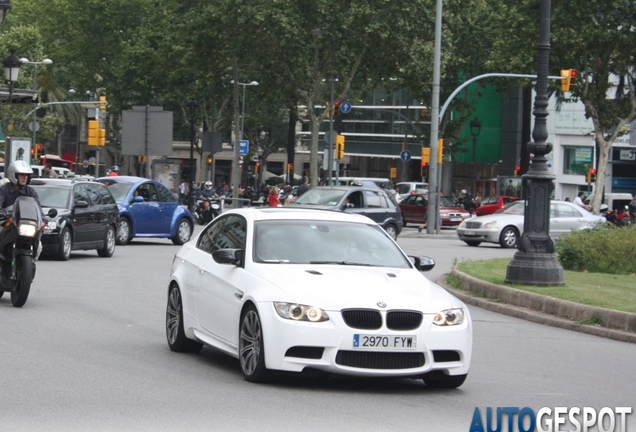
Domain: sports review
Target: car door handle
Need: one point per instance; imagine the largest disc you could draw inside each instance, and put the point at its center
(202, 270)
(239, 295)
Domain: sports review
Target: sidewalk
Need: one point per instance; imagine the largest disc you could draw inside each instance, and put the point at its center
(550, 311)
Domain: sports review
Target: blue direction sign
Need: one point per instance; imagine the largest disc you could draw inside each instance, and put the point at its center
(345, 107)
(244, 147)
(405, 155)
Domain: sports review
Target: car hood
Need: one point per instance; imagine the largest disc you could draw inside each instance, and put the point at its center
(336, 287)
(497, 217)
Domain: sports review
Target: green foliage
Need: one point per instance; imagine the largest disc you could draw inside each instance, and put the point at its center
(604, 249)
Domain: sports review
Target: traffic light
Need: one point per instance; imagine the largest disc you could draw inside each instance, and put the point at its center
(141, 159)
(257, 166)
(290, 168)
(336, 109)
(440, 151)
(101, 137)
(517, 170)
(93, 132)
(426, 156)
(209, 161)
(36, 152)
(569, 80)
(340, 147)
(102, 103)
(591, 175)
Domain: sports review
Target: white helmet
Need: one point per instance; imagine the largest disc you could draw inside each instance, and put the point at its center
(208, 185)
(18, 167)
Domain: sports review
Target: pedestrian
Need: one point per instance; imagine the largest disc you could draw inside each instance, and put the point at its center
(183, 192)
(272, 198)
(304, 186)
(114, 171)
(579, 201)
(48, 171)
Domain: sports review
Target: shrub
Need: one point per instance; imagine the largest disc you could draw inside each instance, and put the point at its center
(603, 249)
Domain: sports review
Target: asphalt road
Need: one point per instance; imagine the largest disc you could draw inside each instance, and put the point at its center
(88, 353)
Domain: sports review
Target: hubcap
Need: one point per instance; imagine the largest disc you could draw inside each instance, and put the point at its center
(110, 240)
(123, 231)
(66, 243)
(184, 231)
(173, 314)
(250, 349)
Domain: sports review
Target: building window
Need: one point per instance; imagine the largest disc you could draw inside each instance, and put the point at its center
(577, 160)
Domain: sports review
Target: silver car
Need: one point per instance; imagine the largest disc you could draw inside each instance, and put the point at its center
(506, 225)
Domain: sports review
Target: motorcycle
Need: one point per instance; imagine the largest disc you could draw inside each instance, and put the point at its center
(22, 227)
(204, 214)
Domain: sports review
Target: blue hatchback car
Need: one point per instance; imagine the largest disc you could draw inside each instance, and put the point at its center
(148, 209)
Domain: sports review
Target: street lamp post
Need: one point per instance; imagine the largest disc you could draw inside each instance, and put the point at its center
(11, 72)
(5, 5)
(259, 152)
(535, 262)
(35, 64)
(253, 83)
(475, 129)
(192, 104)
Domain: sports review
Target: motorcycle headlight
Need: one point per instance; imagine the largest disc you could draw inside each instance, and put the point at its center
(449, 317)
(27, 230)
(298, 312)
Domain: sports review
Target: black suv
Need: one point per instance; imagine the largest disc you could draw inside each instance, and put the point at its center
(374, 203)
(86, 218)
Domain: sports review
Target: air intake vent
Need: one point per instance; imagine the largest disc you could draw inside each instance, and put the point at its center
(380, 360)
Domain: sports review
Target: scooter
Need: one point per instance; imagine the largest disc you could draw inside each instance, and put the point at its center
(22, 227)
(204, 215)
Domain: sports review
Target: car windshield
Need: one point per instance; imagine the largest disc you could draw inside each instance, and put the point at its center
(514, 208)
(118, 189)
(446, 202)
(325, 242)
(323, 197)
(53, 196)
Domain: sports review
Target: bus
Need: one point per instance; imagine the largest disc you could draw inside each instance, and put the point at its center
(55, 161)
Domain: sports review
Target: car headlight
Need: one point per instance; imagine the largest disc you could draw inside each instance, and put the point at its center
(298, 312)
(462, 224)
(51, 225)
(449, 317)
(490, 224)
(27, 230)
(443, 215)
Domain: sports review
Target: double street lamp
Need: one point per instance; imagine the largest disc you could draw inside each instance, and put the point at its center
(475, 129)
(253, 83)
(11, 72)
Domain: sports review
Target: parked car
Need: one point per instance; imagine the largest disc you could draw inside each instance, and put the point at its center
(86, 218)
(415, 207)
(148, 209)
(404, 189)
(376, 204)
(491, 204)
(293, 289)
(505, 226)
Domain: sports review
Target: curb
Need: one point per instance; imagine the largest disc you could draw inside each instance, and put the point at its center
(616, 325)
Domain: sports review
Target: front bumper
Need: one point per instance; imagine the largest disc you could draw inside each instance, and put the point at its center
(50, 242)
(481, 235)
(328, 346)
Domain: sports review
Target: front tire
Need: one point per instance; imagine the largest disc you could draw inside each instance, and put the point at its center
(108, 249)
(66, 244)
(25, 272)
(177, 340)
(251, 348)
(472, 243)
(508, 237)
(124, 231)
(184, 231)
(438, 379)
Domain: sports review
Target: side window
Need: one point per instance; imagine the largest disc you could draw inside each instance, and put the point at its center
(148, 192)
(232, 235)
(80, 194)
(94, 195)
(106, 196)
(355, 198)
(165, 195)
(420, 201)
(373, 200)
(208, 237)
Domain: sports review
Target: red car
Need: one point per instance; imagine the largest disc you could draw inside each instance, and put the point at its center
(493, 203)
(414, 210)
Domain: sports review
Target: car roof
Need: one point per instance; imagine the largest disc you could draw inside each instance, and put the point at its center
(296, 213)
(59, 181)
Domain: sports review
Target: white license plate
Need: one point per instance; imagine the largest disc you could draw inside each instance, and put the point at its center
(469, 232)
(458, 219)
(380, 342)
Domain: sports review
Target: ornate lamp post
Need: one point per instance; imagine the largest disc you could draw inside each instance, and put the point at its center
(535, 262)
(192, 104)
(11, 71)
(5, 5)
(475, 129)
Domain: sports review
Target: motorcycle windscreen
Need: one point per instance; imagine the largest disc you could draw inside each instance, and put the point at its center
(26, 208)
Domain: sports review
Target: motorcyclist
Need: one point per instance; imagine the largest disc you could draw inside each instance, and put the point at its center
(206, 195)
(18, 174)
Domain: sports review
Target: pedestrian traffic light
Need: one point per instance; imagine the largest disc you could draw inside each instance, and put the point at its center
(440, 151)
(340, 146)
(591, 175)
(336, 109)
(426, 156)
(102, 103)
(569, 79)
(93, 132)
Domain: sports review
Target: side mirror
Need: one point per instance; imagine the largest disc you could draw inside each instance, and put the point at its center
(228, 256)
(422, 263)
(138, 199)
(52, 213)
(81, 204)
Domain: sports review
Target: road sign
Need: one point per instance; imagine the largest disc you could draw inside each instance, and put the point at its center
(244, 147)
(34, 125)
(405, 155)
(330, 138)
(345, 107)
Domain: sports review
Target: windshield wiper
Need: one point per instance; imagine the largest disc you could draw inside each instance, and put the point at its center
(340, 263)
